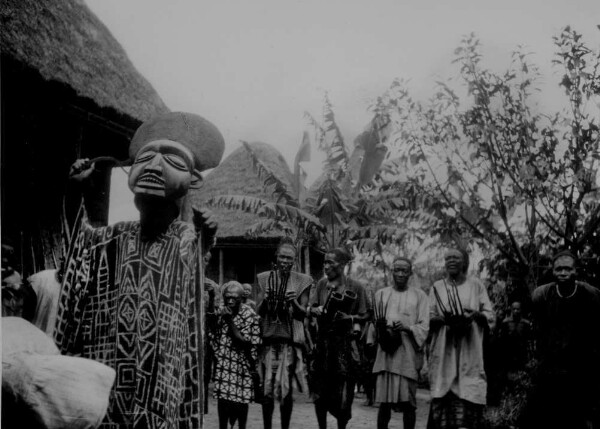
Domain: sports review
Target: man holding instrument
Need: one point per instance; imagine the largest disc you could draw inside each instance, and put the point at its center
(282, 306)
(460, 314)
(402, 324)
(131, 295)
(340, 306)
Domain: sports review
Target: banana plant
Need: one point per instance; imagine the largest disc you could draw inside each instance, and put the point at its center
(350, 204)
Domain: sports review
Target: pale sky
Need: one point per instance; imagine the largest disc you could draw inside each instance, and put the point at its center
(254, 67)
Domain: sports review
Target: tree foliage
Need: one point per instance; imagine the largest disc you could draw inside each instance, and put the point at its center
(523, 181)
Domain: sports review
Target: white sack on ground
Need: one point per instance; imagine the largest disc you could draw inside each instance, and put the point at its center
(62, 391)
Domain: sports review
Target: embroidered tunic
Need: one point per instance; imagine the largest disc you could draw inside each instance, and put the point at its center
(130, 303)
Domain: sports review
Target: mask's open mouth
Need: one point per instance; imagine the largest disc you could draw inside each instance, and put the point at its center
(151, 181)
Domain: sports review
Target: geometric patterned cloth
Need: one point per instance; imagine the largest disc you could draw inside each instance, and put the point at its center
(233, 381)
(130, 303)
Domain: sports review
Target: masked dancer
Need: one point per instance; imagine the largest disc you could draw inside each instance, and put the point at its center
(131, 297)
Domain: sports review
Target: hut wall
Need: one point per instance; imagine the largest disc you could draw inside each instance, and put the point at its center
(240, 263)
(45, 128)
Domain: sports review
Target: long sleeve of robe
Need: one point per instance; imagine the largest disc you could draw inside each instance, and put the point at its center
(456, 363)
(411, 307)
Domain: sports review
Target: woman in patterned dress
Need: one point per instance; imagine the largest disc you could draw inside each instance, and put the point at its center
(235, 335)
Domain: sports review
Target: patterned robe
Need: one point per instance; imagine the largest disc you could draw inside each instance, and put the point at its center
(233, 381)
(130, 304)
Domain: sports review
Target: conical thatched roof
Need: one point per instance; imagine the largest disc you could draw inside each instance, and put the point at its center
(67, 43)
(236, 176)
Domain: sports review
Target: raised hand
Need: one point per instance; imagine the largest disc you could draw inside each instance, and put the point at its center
(81, 170)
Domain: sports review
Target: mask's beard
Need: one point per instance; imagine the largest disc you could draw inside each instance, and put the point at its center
(156, 214)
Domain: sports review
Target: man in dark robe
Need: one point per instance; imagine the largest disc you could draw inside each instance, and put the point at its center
(340, 306)
(566, 318)
(130, 297)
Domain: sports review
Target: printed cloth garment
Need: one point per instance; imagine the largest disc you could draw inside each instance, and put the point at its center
(451, 412)
(233, 381)
(130, 303)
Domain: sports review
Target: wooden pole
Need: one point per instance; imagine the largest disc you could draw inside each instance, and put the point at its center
(221, 267)
(200, 323)
(307, 260)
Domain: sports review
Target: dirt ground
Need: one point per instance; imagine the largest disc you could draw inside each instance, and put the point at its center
(303, 417)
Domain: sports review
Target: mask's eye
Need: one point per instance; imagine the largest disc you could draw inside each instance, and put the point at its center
(176, 161)
(145, 156)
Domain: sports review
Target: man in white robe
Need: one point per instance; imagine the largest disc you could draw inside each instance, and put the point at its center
(402, 325)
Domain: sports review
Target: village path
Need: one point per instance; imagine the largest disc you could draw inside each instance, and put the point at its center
(303, 417)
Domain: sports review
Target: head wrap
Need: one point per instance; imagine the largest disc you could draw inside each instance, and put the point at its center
(564, 253)
(342, 256)
(200, 136)
(402, 258)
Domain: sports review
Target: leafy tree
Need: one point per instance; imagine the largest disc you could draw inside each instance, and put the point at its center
(505, 174)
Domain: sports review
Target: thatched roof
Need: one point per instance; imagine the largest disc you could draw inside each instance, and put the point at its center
(235, 176)
(67, 43)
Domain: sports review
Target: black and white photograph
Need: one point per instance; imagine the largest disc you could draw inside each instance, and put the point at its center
(300, 214)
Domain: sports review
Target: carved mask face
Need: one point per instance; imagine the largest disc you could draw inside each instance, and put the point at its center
(162, 168)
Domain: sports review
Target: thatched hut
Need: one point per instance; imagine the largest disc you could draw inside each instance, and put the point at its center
(237, 256)
(68, 91)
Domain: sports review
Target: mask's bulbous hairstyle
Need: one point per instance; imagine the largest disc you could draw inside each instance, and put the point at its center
(201, 137)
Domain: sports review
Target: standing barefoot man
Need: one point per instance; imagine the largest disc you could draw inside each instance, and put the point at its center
(402, 326)
(340, 306)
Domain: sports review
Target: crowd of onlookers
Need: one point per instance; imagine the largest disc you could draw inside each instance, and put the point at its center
(335, 338)
(329, 338)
